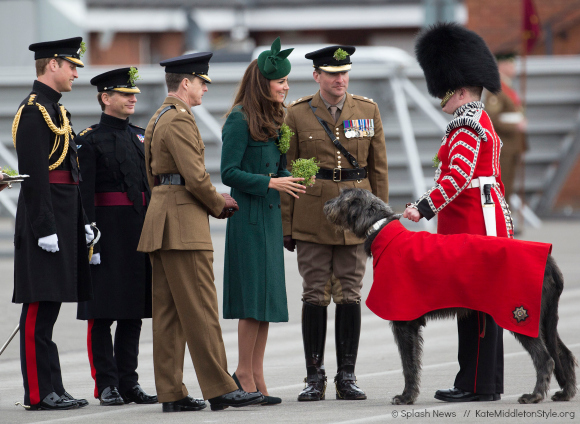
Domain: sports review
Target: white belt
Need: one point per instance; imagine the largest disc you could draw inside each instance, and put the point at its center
(475, 182)
(488, 208)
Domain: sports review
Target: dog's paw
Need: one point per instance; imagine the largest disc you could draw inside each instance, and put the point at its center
(530, 398)
(401, 400)
(560, 396)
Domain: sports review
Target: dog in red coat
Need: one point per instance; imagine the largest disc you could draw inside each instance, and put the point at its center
(365, 215)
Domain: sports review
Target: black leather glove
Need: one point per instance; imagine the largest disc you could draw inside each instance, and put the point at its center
(289, 243)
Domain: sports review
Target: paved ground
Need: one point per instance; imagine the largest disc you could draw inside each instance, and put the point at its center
(378, 368)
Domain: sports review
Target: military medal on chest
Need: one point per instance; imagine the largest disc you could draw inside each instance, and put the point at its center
(359, 128)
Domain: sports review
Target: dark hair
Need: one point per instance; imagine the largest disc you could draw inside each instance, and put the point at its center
(173, 80)
(41, 64)
(475, 91)
(263, 113)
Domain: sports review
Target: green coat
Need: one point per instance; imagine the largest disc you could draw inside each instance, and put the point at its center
(254, 284)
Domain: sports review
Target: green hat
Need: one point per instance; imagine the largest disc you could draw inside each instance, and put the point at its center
(505, 55)
(273, 63)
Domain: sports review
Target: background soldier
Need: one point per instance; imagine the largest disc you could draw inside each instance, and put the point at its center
(506, 113)
(115, 195)
(176, 233)
(50, 241)
(332, 263)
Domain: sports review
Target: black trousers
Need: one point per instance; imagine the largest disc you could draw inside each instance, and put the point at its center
(38, 353)
(480, 358)
(114, 365)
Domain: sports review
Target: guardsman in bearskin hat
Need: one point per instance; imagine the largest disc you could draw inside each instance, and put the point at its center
(345, 134)
(468, 196)
(115, 195)
(176, 235)
(51, 232)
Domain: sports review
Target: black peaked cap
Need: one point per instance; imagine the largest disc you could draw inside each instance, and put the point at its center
(195, 63)
(453, 57)
(69, 49)
(325, 60)
(115, 80)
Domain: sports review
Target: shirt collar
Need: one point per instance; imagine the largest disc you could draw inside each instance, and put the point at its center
(111, 121)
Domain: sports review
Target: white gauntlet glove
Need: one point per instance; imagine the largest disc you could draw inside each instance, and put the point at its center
(49, 243)
(89, 235)
(95, 259)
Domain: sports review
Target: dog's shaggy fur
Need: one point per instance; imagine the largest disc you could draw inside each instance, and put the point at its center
(357, 210)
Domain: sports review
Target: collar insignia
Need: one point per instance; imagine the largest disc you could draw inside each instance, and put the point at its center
(520, 314)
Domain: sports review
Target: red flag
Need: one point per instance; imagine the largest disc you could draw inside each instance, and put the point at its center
(531, 26)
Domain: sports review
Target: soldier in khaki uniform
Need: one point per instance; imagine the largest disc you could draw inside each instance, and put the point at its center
(506, 113)
(176, 234)
(332, 263)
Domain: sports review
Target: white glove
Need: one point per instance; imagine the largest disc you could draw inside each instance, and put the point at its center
(49, 243)
(89, 235)
(95, 259)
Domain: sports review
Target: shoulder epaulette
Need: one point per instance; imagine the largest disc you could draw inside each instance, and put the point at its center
(31, 99)
(301, 100)
(136, 126)
(83, 132)
(362, 98)
(466, 121)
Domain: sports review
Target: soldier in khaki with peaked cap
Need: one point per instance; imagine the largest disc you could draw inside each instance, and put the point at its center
(176, 236)
(344, 132)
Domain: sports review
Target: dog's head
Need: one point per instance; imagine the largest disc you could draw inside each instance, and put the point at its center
(356, 210)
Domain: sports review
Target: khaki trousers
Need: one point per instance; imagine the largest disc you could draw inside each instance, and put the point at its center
(185, 309)
(331, 272)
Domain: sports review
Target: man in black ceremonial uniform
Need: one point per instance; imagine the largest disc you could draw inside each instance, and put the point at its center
(51, 232)
(115, 194)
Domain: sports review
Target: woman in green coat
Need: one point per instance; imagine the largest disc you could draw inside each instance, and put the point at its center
(254, 167)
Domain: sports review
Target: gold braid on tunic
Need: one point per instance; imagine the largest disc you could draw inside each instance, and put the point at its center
(65, 130)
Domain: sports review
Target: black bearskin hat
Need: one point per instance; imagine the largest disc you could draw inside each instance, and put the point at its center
(453, 57)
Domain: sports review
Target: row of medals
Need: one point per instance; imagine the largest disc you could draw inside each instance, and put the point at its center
(359, 128)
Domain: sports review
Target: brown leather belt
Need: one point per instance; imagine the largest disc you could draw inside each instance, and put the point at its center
(340, 174)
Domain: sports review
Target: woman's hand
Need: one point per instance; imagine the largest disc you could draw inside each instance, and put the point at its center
(287, 185)
(413, 214)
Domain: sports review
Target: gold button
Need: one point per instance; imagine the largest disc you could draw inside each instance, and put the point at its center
(337, 129)
(339, 166)
(339, 156)
(338, 153)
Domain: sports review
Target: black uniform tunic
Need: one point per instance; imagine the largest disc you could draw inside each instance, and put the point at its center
(112, 160)
(45, 209)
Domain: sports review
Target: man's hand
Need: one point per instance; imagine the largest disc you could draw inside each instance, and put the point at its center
(2, 185)
(289, 243)
(230, 207)
(49, 243)
(412, 214)
(95, 259)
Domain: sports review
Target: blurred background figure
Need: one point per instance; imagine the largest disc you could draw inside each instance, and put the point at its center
(507, 115)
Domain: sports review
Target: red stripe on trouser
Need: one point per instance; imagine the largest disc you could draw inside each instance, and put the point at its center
(90, 350)
(30, 348)
(477, 360)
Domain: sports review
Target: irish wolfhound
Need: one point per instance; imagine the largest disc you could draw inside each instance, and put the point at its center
(357, 210)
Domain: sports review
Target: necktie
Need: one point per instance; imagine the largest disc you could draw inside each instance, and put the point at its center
(333, 110)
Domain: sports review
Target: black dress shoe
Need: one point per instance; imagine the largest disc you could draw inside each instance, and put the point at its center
(346, 387)
(53, 402)
(110, 396)
(186, 404)
(82, 402)
(138, 395)
(236, 399)
(271, 400)
(315, 388)
(458, 395)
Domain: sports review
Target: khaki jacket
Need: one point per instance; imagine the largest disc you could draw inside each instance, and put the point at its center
(303, 218)
(177, 217)
(502, 110)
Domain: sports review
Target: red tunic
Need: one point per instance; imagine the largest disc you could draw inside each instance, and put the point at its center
(470, 149)
(498, 276)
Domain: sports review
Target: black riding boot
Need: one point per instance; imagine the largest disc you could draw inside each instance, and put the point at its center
(314, 336)
(347, 333)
